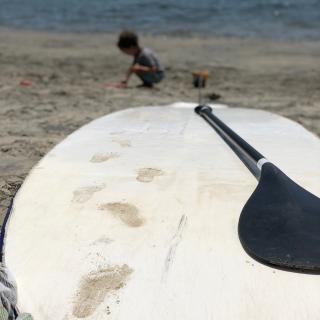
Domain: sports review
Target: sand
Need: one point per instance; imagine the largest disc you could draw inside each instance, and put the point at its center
(51, 84)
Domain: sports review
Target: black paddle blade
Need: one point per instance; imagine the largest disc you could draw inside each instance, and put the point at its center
(280, 223)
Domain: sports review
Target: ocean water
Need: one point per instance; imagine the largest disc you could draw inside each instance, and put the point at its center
(280, 19)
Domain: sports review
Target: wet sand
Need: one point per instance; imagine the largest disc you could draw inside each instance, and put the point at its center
(51, 84)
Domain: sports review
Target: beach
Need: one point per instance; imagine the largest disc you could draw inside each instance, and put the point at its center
(53, 83)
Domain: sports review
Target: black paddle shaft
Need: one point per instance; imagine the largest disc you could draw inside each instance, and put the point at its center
(206, 113)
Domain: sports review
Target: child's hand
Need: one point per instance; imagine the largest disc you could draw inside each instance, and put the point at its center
(122, 84)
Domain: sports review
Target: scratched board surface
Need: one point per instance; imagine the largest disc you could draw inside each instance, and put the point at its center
(131, 217)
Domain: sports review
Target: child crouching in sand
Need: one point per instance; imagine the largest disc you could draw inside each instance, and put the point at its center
(145, 63)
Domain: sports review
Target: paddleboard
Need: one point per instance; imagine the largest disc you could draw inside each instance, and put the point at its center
(135, 215)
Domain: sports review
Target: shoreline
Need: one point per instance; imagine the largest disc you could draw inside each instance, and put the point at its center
(174, 35)
(66, 73)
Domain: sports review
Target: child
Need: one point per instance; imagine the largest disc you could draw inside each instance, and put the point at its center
(145, 64)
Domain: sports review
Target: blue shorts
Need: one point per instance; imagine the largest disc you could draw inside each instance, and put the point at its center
(152, 77)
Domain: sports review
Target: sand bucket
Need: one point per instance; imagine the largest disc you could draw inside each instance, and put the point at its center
(200, 78)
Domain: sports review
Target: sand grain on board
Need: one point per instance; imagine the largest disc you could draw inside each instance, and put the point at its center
(102, 157)
(148, 174)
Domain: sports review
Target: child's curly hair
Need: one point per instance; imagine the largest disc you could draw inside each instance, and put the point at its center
(127, 39)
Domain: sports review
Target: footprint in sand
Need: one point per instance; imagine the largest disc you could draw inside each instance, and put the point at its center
(102, 157)
(83, 194)
(126, 212)
(96, 286)
(148, 174)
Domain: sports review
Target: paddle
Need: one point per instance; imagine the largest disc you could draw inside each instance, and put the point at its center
(280, 223)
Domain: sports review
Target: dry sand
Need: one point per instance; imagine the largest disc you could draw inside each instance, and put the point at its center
(68, 71)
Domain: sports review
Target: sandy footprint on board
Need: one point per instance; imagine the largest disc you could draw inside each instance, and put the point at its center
(124, 143)
(126, 212)
(84, 194)
(96, 286)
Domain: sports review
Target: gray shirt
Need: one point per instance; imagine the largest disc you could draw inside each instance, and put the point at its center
(147, 58)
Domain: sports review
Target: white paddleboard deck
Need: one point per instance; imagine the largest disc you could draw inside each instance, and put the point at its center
(135, 215)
